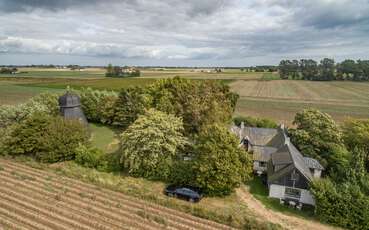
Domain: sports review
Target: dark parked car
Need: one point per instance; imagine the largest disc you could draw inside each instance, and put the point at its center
(188, 193)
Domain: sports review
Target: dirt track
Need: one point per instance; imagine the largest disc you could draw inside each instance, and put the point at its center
(286, 221)
(36, 199)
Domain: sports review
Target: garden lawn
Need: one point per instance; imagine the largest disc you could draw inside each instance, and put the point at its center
(104, 138)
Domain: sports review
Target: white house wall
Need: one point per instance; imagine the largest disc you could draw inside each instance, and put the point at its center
(277, 191)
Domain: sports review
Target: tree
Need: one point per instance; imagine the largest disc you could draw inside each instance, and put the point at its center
(318, 136)
(109, 71)
(309, 69)
(49, 139)
(130, 104)
(198, 102)
(219, 164)
(327, 69)
(356, 135)
(150, 144)
(363, 66)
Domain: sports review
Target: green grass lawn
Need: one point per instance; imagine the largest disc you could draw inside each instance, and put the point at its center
(104, 137)
(260, 192)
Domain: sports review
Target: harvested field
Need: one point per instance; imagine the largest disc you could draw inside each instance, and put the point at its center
(36, 199)
(280, 100)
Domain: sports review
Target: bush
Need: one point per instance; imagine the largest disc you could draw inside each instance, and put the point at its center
(343, 205)
(255, 122)
(91, 158)
(45, 103)
(49, 139)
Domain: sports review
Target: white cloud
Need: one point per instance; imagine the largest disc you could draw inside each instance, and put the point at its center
(207, 31)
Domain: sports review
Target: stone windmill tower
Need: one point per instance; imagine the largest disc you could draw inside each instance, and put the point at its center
(70, 107)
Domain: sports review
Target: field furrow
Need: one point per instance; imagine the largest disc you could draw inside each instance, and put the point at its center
(109, 206)
(106, 202)
(72, 217)
(7, 223)
(72, 203)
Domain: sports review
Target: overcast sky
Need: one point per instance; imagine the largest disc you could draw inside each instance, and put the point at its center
(181, 32)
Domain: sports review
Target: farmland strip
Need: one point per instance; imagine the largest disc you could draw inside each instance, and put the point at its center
(108, 195)
(183, 223)
(74, 201)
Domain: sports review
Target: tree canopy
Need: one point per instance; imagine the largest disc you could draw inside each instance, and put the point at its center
(219, 164)
(150, 144)
(318, 136)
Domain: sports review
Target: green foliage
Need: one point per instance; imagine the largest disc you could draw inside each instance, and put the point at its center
(97, 105)
(356, 135)
(130, 104)
(199, 103)
(150, 144)
(344, 205)
(45, 103)
(91, 157)
(318, 136)
(255, 122)
(49, 139)
(219, 164)
(327, 70)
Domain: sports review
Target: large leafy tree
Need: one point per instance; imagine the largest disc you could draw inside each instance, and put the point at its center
(318, 136)
(219, 164)
(130, 104)
(309, 69)
(327, 68)
(150, 144)
(356, 135)
(198, 102)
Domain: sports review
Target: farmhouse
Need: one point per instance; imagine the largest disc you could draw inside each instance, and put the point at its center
(288, 173)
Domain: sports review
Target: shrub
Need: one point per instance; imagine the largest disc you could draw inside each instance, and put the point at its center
(91, 157)
(255, 122)
(45, 103)
(341, 204)
(49, 139)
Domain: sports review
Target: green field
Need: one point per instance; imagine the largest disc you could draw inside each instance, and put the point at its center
(280, 100)
(99, 73)
(261, 95)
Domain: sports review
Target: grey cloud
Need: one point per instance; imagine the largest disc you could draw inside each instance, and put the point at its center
(176, 31)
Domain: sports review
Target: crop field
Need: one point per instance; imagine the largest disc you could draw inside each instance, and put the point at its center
(98, 73)
(280, 100)
(36, 199)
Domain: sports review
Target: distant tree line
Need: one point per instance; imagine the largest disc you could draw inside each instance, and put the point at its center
(325, 70)
(261, 68)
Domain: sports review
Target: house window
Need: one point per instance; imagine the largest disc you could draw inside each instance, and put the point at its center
(291, 192)
(295, 176)
(262, 164)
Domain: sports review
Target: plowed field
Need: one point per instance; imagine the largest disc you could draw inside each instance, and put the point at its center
(36, 199)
